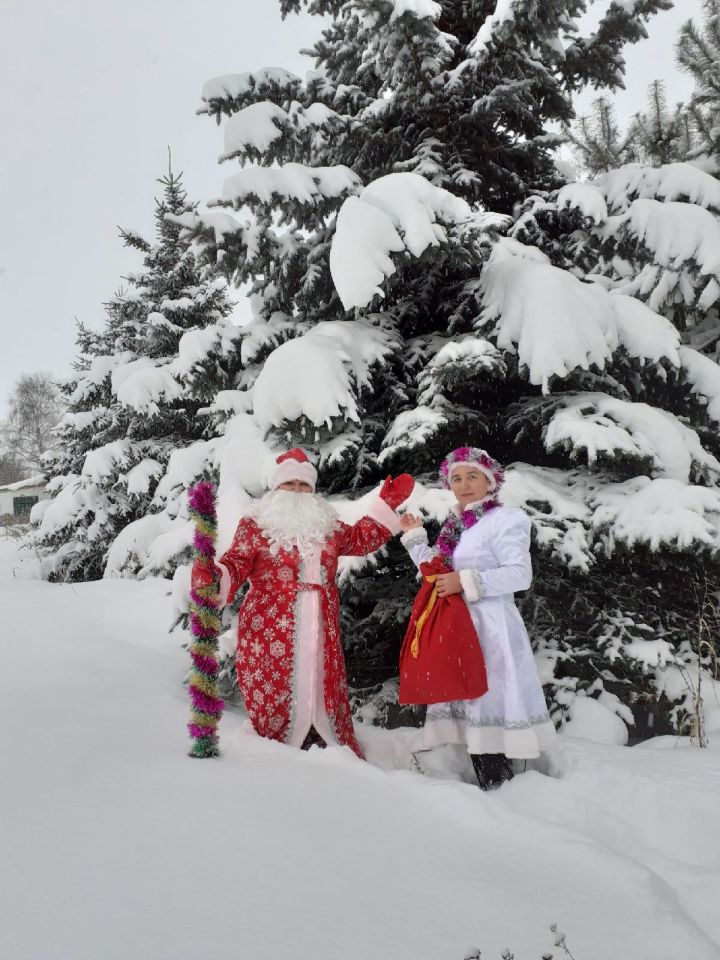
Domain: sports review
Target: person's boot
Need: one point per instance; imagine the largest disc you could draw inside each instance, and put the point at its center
(492, 769)
(313, 739)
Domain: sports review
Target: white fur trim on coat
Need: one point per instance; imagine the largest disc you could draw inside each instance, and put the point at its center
(384, 515)
(294, 470)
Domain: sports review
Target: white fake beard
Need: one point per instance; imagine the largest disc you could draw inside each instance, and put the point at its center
(289, 519)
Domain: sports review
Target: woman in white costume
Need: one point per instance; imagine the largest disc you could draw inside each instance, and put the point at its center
(488, 548)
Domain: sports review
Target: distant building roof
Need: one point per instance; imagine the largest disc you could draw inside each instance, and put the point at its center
(37, 481)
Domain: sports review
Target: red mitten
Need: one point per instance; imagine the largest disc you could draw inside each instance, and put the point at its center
(202, 575)
(394, 492)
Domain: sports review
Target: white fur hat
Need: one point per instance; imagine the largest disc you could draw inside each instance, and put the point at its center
(293, 465)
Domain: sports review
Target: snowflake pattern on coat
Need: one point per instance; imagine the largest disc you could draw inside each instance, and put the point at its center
(267, 653)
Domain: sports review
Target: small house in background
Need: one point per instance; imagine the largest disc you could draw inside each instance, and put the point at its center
(17, 499)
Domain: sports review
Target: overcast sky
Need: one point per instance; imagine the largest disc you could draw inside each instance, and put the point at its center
(93, 93)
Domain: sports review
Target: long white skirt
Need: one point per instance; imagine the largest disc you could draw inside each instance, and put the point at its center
(512, 717)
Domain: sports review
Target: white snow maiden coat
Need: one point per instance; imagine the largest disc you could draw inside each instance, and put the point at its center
(493, 560)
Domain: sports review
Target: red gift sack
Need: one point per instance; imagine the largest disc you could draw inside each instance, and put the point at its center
(441, 659)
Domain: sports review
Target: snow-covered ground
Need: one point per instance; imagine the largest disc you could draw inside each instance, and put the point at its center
(114, 845)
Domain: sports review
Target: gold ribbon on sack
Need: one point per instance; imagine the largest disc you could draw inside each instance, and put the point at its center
(421, 620)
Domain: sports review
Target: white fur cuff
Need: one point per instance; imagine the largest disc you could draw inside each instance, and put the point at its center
(472, 584)
(384, 515)
(411, 537)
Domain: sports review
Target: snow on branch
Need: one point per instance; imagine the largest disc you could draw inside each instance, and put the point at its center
(140, 384)
(657, 513)
(576, 515)
(153, 541)
(257, 126)
(139, 478)
(185, 466)
(319, 375)
(585, 197)
(293, 181)
(396, 213)
(494, 23)
(643, 333)
(556, 501)
(422, 9)
(704, 376)
(103, 461)
(218, 221)
(675, 233)
(670, 182)
(557, 324)
(461, 361)
(100, 369)
(204, 345)
(232, 87)
(411, 429)
(600, 426)
(554, 321)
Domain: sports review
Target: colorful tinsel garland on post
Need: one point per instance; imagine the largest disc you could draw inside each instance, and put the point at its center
(207, 705)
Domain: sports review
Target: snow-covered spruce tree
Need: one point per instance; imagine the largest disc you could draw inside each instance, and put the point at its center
(654, 136)
(394, 318)
(165, 349)
(698, 54)
(663, 134)
(598, 142)
(649, 232)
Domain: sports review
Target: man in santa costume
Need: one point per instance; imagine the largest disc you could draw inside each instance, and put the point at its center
(290, 663)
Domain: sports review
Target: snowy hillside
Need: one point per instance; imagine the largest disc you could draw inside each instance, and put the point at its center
(117, 846)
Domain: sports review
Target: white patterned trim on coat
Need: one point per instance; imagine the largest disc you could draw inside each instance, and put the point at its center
(293, 678)
(519, 743)
(455, 710)
(381, 513)
(416, 535)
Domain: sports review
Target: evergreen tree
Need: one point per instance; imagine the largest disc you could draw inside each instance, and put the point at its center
(133, 405)
(399, 312)
(653, 137)
(599, 144)
(698, 53)
(650, 232)
(662, 135)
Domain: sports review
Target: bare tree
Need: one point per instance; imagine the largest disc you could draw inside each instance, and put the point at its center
(10, 469)
(35, 409)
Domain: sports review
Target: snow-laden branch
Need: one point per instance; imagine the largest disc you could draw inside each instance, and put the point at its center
(396, 213)
(293, 181)
(319, 375)
(557, 324)
(600, 426)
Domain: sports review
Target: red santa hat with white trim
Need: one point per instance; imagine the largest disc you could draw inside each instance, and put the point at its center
(293, 465)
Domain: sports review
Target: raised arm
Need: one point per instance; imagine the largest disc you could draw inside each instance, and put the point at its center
(511, 546)
(380, 522)
(370, 532)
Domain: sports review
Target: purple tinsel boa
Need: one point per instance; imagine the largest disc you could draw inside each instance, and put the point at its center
(201, 701)
(201, 498)
(199, 631)
(455, 526)
(204, 664)
(203, 544)
(198, 731)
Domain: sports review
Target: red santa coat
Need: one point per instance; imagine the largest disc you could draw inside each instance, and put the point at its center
(289, 629)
